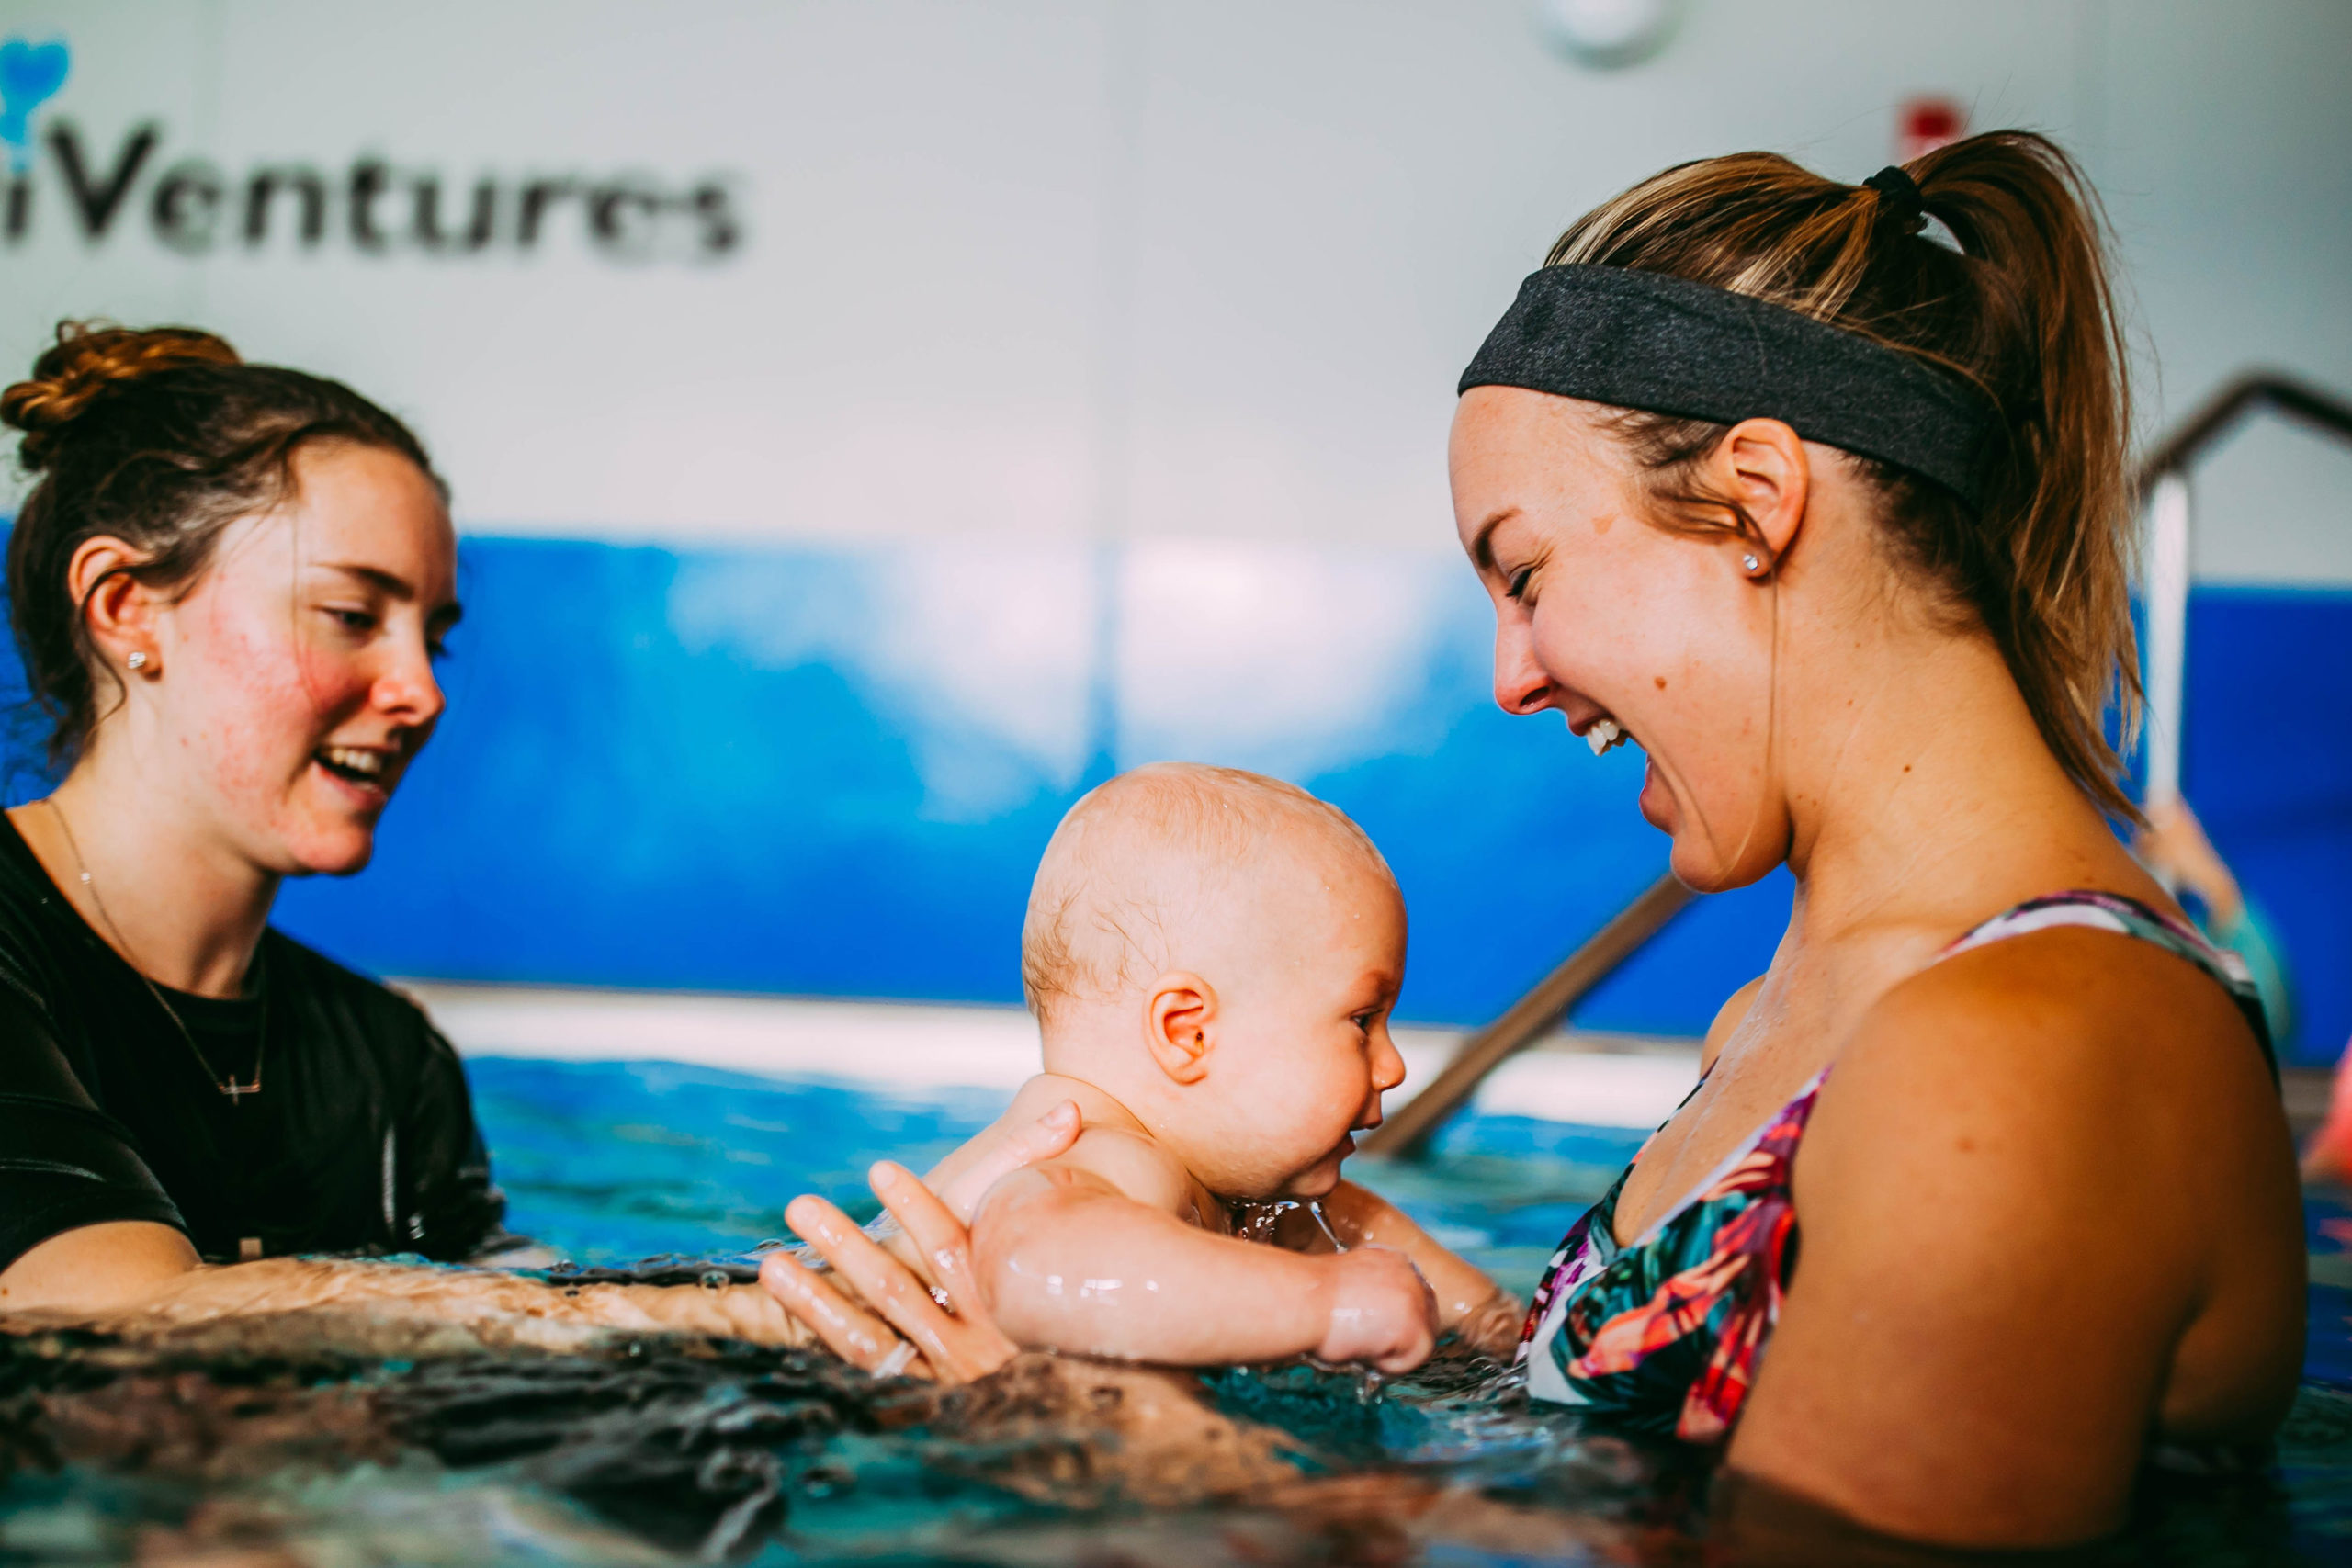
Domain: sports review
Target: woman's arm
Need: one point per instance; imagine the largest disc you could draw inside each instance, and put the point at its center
(69, 1176)
(950, 1337)
(97, 1268)
(125, 1272)
(2040, 1175)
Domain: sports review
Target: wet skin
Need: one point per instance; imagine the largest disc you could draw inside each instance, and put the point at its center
(2047, 1197)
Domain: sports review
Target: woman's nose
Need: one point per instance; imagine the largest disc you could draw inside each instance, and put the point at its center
(409, 689)
(1520, 684)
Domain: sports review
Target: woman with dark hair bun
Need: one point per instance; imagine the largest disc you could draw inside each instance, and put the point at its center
(229, 584)
(181, 498)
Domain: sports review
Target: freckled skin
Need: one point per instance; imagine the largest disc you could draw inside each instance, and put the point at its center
(204, 782)
(1663, 634)
(272, 667)
(312, 627)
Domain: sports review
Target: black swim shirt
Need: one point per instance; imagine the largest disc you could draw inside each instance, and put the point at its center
(362, 1138)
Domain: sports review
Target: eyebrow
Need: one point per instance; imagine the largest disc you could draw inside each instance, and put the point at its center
(1482, 545)
(393, 585)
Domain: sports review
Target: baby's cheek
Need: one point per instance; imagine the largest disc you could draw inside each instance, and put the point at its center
(1338, 1099)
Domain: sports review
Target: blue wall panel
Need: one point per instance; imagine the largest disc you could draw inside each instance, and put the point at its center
(2266, 761)
(830, 772)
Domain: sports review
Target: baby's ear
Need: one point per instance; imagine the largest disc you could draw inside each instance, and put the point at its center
(1180, 1025)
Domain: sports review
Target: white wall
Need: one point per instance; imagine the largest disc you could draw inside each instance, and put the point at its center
(1064, 269)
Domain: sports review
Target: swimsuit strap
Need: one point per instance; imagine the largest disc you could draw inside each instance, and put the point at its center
(2128, 917)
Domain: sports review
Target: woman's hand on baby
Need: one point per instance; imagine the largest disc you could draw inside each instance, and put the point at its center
(1043, 1139)
(1382, 1311)
(956, 1342)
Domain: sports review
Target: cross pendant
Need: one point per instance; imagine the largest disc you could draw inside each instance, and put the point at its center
(237, 1091)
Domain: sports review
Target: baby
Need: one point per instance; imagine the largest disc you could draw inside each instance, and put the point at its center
(1212, 956)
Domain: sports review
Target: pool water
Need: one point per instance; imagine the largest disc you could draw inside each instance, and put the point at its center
(257, 1451)
(612, 1163)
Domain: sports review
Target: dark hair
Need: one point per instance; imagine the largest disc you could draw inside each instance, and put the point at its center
(159, 439)
(2022, 309)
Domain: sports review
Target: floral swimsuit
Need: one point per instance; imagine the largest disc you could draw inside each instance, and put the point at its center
(1663, 1333)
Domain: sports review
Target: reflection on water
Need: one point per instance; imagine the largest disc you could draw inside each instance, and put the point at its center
(246, 1446)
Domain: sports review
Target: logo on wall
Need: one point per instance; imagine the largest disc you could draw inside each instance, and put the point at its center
(103, 187)
(30, 74)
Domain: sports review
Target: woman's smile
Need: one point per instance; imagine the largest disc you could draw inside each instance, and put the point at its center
(366, 775)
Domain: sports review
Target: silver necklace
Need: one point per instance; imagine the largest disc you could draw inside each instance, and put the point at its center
(230, 1087)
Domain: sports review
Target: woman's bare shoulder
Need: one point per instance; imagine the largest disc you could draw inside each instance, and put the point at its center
(2041, 1176)
(2067, 1050)
(2059, 1003)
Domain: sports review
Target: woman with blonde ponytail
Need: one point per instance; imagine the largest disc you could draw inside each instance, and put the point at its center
(1984, 1201)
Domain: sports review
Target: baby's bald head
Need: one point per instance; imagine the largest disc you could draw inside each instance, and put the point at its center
(1143, 859)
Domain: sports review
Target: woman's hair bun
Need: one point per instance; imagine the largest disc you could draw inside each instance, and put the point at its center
(89, 358)
(159, 440)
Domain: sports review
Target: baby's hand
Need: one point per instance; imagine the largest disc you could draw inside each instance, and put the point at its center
(1382, 1311)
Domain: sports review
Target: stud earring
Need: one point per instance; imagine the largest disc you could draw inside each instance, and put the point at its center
(1750, 562)
(137, 661)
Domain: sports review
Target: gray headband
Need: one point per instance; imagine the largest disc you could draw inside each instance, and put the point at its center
(1644, 340)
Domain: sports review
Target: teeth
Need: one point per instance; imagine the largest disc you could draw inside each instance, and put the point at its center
(369, 764)
(1604, 735)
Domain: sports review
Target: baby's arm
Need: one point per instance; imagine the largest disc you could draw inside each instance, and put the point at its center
(1488, 1316)
(1087, 1253)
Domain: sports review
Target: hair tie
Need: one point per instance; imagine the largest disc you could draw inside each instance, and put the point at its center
(1899, 196)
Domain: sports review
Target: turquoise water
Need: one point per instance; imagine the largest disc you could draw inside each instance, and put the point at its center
(611, 1163)
(262, 1453)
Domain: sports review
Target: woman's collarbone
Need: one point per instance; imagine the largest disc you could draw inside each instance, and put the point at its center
(1752, 1080)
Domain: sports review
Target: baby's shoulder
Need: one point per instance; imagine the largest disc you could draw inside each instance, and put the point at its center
(1138, 1166)
(1115, 1149)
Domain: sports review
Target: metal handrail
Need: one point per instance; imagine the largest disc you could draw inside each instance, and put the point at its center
(2162, 481)
(2254, 390)
(2160, 478)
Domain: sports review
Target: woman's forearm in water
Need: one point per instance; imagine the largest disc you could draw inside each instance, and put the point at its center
(151, 1280)
(484, 1301)
(1069, 1265)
